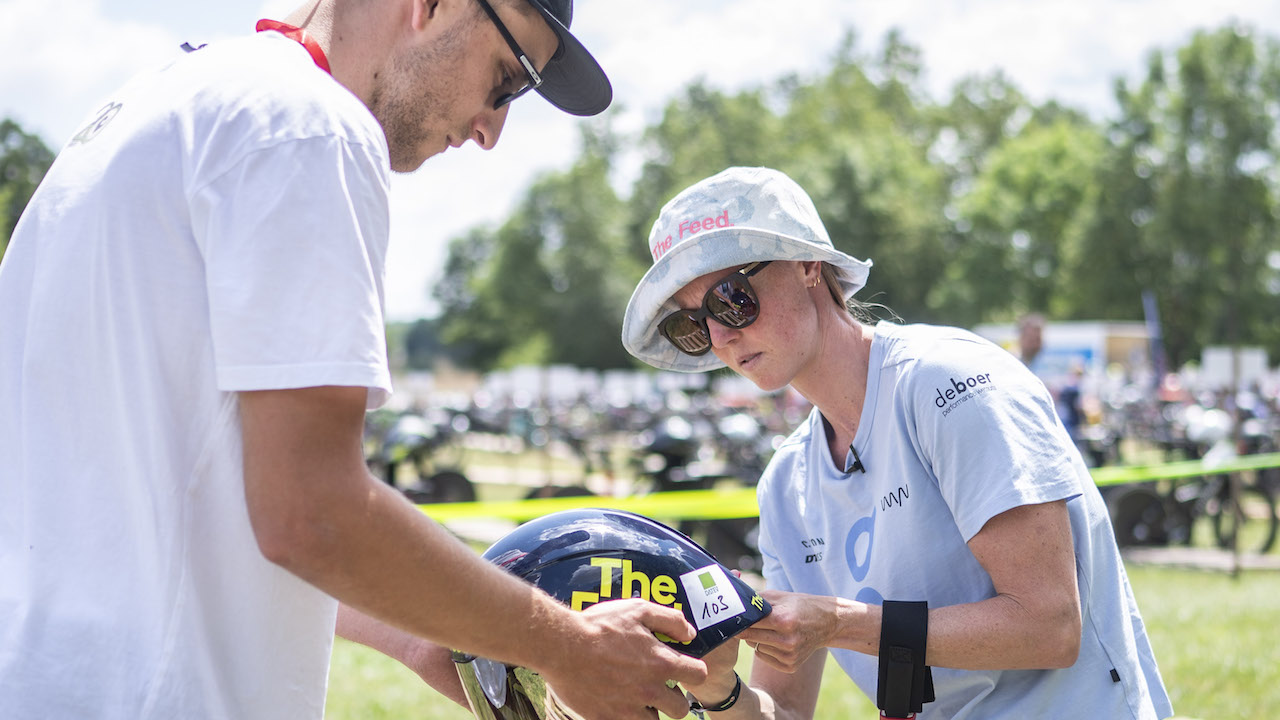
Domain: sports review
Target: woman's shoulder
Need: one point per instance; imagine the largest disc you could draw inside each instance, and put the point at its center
(800, 438)
(934, 343)
(935, 354)
(792, 452)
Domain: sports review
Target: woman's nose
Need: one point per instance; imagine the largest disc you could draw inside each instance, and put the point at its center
(721, 334)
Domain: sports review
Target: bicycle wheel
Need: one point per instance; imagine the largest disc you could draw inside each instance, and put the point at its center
(445, 486)
(1252, 524)
(735, 543)
(1142, 517)
(557, 491)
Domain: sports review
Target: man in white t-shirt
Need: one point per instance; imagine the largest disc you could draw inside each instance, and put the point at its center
(191, 330)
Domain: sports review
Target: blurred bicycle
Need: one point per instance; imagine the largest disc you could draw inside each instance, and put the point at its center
(1166, 513)
(395, 441)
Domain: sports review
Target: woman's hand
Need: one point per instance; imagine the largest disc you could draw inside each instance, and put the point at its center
(798, 625)
(720, 674)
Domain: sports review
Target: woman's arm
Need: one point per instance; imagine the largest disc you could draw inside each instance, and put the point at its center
(1033, 621)
(431, 662)
(771, 694)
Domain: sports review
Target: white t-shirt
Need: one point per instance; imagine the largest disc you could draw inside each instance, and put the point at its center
(954, 431)
(220, 225)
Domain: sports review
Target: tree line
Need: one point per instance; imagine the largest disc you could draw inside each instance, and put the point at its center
(979, 207)
(24, 159)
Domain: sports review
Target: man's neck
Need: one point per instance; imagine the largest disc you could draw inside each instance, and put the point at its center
(355, 39)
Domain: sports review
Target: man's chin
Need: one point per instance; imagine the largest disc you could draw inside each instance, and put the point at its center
(409, 160)
(406, 166)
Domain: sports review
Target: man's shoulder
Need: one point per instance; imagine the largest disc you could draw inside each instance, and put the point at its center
(267, 88)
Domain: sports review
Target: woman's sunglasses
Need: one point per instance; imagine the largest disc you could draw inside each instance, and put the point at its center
(730, 302)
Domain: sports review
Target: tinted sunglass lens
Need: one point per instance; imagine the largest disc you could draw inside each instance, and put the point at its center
(686, 334)
(733, 304)
(509, 97)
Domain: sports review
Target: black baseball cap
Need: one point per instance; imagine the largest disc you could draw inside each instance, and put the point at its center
(572, 80)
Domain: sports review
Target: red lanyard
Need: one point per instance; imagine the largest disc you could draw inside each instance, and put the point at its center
(300, 36)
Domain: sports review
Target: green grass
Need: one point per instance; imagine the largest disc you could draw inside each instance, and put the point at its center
(365, 685)
(1215, 639)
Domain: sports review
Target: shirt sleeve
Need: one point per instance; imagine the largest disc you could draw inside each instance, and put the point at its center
(294, 238)
(771, 515)
(987, 429)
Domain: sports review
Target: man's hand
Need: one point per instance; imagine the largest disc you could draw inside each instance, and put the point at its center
(614, 666)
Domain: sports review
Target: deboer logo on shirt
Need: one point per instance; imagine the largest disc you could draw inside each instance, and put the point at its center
(959, 390)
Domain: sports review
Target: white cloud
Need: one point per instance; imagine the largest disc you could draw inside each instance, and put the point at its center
(61, 57)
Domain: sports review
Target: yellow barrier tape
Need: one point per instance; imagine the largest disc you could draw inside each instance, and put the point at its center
(1187, 468)
(677, 505)
(741, 502)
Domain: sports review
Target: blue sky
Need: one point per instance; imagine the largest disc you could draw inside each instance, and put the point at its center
(59, 57)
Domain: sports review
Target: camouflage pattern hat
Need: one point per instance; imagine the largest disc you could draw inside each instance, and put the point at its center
(740, 216)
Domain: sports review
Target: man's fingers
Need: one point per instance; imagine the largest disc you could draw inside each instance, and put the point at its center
(673, 703)
(669, 622)
(686, 670)
(613, 711)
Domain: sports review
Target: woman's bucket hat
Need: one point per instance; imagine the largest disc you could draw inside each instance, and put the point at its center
(739, 216)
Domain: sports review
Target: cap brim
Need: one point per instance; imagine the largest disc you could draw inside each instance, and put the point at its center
(572, 80)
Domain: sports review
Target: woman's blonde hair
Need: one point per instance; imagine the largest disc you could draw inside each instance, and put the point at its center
(862, 312)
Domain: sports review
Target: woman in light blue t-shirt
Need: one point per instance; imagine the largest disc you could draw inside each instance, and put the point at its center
(932, 486)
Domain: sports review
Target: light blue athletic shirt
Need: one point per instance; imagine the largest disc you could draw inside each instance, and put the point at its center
(955, 431)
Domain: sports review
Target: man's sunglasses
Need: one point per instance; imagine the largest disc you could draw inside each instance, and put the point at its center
(533, 78)
(731, 302)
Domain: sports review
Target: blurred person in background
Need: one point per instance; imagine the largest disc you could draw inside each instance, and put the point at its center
(1030, 337)
(931, 503)
(1070, 403)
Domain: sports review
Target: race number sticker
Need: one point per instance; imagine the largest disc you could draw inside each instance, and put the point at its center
(712, 598)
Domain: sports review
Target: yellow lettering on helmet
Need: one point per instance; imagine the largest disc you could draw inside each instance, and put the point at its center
(664, 590)
(581, 599)
(758, 602)
(629, 577)
(606, 566)
(635, 583)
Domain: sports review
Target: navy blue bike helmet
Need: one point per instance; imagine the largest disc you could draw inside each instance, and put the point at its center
(586, 556)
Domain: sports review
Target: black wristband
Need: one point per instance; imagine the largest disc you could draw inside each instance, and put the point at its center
(727, 703)
(905, 683)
